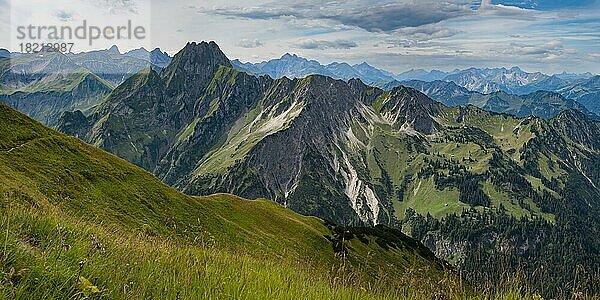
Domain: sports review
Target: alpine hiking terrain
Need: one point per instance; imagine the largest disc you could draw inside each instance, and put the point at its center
(466, 182)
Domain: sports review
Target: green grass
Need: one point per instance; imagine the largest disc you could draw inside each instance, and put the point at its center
(65, 82)
(386, 151)
(469, 154)
(512, 205)
(424, 197)
(51, 254)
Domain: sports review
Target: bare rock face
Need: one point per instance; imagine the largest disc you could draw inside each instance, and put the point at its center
(193, 67)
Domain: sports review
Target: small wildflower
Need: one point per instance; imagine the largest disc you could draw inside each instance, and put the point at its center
(97, 244)
(81, 264)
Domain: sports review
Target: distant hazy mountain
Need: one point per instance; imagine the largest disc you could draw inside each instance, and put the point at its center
(156, 57)
(371, 75)
(4, 54)
(586, 92)
(44, 85)
(293, 66)
(490, 80)
(583, 88)
(365, 72)
(513, 80)
(111, 65)
(343, 70)
(551, 83)
(510, 80)
(290, 66)
(574, 76)
(543, 104)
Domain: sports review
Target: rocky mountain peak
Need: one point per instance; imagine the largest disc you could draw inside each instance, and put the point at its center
(193, 67)
(114, 49)
(516, 69)
(157, 51)
(289, 56)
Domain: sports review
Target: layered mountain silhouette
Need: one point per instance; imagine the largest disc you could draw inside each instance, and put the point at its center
(509, 82)
(293, 66)
(44, 85)
(543, 104)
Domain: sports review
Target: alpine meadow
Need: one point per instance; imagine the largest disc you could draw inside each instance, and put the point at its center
(387, 149)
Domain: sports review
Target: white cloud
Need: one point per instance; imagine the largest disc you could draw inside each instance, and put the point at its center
(372, 16)
(393, 34)
(323, 44)
(551, 49)
(427, 32)
(246, 43)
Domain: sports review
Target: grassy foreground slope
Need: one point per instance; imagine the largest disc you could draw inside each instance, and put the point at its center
(78, 222)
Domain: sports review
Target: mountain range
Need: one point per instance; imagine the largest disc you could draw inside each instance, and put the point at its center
(582, 88)
(293, 66)
(44, 85)
(114, 66)
(464, 181)
(586, 91)
(103, 228)
(542, 104)
(420, 74)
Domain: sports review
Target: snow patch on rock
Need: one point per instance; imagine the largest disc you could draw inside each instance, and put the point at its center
(279, 122)
(359, 194)
(373, 203)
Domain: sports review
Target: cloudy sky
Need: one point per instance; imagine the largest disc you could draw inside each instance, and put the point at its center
(550, 36)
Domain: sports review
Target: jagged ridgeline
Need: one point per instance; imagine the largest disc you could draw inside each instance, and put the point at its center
(540, 103)
(78, 222)
(490, 192)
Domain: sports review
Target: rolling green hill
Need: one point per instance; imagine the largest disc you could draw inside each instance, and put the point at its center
(78, 222)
